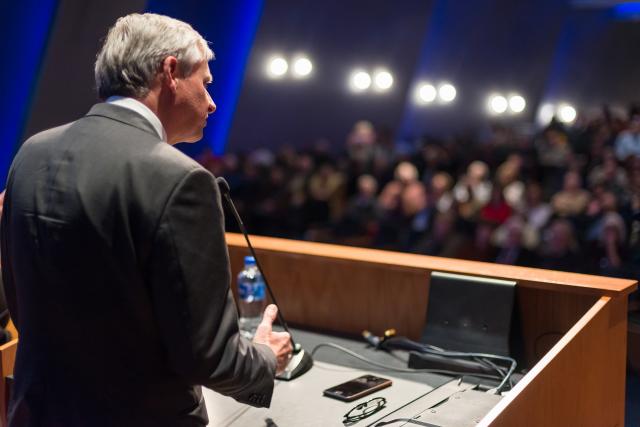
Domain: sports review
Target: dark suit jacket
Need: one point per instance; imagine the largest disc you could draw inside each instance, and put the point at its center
(117, 276)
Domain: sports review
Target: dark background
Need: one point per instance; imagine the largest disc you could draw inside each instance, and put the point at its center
(582, 52)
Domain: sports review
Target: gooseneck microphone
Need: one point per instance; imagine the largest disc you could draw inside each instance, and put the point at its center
(301, 361)
(224, 188)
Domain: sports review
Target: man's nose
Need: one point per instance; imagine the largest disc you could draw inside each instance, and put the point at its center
(212, 105)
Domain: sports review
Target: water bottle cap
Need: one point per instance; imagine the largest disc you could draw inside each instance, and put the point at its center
(249, 260)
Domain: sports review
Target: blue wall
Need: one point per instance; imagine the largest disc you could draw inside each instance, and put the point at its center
(579, 61)
(482, 47)
(25, 28)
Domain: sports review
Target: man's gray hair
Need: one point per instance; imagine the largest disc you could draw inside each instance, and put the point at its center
(135, 48)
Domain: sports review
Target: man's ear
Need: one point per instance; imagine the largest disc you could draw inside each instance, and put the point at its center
(170, 73)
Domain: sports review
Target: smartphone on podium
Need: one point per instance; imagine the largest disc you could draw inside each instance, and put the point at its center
(357, 388)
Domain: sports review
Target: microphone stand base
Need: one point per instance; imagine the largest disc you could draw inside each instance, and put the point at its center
(300, 363)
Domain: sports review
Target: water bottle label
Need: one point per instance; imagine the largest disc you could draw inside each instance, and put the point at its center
(255, 291)
(258, 291)
(244, 290)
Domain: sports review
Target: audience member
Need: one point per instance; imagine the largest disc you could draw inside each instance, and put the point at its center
(559, 249)
(572, 200)
(628, 142)
(497, 211)
(554, 155)
(537, 212)
(516, 242)
(473, 190)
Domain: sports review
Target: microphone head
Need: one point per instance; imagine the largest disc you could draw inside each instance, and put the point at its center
(223, 184)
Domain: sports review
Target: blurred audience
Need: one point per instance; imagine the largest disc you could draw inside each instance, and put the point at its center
(564, 199)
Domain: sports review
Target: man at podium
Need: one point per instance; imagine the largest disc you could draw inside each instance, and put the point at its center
(115, 265)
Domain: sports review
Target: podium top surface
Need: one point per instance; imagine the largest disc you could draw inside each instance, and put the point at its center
(301, 403)
(527, 277)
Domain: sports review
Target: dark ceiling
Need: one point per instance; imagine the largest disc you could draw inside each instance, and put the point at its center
(547, 50)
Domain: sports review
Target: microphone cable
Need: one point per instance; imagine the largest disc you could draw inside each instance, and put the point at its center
(398, 369)
(486, 357)
(402, 343)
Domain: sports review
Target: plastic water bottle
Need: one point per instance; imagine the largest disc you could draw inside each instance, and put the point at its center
(251, 296)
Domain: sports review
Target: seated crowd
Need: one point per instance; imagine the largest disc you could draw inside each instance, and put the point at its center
(564, 199)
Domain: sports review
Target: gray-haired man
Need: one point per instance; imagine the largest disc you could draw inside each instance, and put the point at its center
(114, 259)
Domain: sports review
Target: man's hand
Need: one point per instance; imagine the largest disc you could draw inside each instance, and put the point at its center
(278, 342)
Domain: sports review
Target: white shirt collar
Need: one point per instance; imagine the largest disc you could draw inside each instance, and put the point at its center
(143, 110)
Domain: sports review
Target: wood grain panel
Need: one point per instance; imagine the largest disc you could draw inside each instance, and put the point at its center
(580, 382)
(344, 290)
(545, 316)
(8, 357)
(343, 296)
(7, 362)
(11, 328)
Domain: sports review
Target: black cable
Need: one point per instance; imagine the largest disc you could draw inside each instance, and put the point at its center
(426, 348)
(499, 369)
(506, 377)
(405, 370)
(489, 364)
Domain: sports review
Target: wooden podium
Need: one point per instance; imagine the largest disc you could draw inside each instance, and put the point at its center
(573, 326)
(7, 361)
